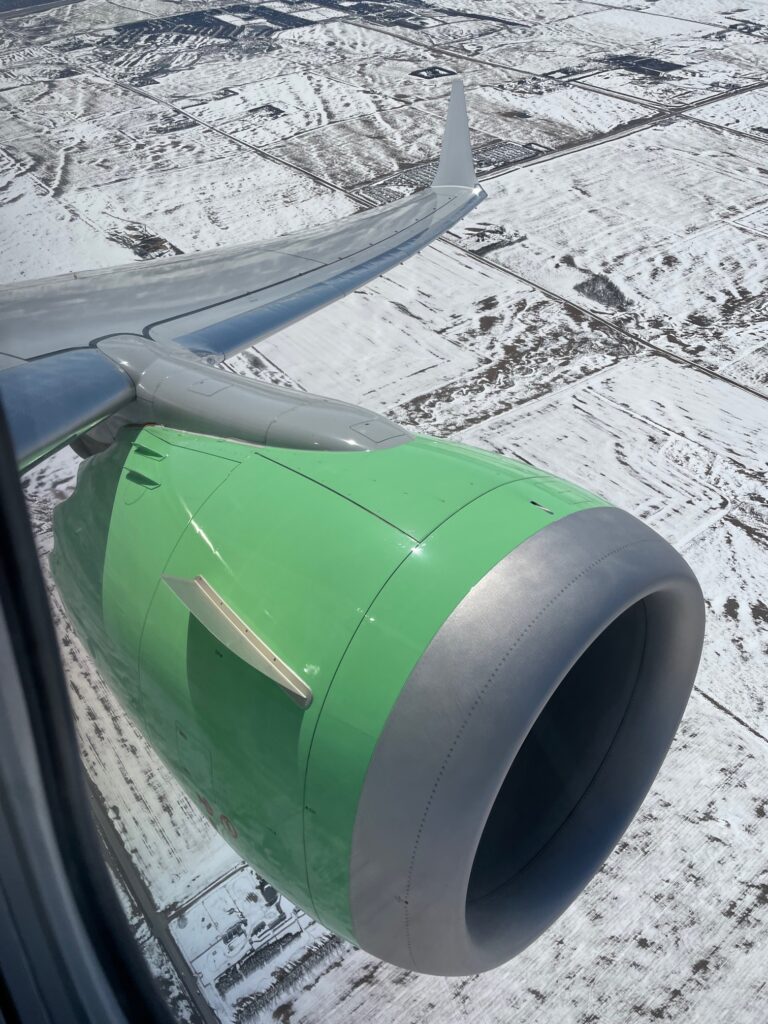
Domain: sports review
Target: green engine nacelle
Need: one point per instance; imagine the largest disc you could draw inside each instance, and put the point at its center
(497, 662)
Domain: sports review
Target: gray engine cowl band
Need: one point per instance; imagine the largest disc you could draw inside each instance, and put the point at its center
(464, 715)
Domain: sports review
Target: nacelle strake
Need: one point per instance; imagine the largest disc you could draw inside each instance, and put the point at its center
(422, 689)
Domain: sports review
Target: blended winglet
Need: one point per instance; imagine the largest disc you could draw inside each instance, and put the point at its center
(456, 166)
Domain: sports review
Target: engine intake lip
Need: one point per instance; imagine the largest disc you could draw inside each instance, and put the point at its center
(523, 743)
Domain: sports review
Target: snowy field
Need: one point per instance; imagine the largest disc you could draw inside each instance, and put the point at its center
(603, 314)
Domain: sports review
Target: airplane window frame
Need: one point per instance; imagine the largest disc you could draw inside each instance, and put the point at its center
(107, 961)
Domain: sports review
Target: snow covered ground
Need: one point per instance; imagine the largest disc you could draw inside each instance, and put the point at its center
(602, 314)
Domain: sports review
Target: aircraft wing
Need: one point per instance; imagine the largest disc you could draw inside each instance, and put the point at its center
(56, 379)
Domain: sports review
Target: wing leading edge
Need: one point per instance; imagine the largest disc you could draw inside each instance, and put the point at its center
(211, 304)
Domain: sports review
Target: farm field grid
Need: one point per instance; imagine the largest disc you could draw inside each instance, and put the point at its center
(602, 314)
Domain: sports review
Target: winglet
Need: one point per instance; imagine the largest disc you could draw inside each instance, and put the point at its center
(456, 166)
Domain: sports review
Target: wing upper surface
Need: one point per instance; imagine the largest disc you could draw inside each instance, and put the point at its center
(210, 304)
(222, 301)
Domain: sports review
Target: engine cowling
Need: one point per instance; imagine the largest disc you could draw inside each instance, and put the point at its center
(498, 662)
